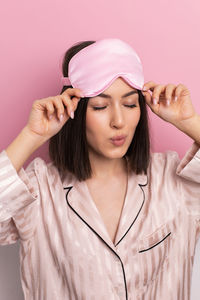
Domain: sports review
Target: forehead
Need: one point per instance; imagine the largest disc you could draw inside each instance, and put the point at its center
(119, 83)
(118, 88)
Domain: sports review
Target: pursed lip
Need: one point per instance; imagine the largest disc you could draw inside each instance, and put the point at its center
(118, 138)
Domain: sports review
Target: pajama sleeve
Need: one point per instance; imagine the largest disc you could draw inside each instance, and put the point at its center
(188, 169)
(19, 199)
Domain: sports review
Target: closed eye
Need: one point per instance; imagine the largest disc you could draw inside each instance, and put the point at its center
(98, 108)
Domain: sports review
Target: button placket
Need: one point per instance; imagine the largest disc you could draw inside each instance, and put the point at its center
(119, 287)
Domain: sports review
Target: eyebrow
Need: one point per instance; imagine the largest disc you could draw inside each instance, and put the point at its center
(124, 96)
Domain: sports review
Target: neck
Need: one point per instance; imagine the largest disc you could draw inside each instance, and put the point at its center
(104, 168)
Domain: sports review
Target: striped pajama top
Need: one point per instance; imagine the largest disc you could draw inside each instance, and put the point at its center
(65, 250)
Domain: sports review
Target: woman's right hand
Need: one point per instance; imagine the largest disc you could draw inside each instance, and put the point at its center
(46, 118)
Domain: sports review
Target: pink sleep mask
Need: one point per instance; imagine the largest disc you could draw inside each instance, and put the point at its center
(95, 67)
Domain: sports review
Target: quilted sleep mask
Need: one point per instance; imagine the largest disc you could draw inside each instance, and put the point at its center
(95, 67)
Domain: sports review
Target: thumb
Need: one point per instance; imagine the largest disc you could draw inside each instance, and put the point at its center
(147, 97)
(75, 101)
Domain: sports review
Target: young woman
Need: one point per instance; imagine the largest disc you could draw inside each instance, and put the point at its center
(106, 218)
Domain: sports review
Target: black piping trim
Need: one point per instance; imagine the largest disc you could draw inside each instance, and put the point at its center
(138, 212)
(156, 243)
(124, 279)
(69, 188)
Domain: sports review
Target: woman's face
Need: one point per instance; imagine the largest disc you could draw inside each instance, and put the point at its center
(114, 119)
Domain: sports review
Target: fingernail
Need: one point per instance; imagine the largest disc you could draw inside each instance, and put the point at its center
(72, 114)
(168, 102)
(144, 88)
(82, 95)
(154, 101)
(61, 117)
(50, 117)
(175, 98)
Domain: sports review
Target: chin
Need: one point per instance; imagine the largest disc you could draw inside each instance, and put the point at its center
(115, 155)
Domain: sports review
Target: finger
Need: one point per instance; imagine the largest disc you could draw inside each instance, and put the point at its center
(169, 93)
(68, 102)
(178, 91)
(75, 102)
(57, 101)
(73, 92)
(149, 86)
(156, 93)
(50, 109)
(147, 97)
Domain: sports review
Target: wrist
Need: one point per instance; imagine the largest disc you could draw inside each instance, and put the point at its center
(191, 127)
(37, 139)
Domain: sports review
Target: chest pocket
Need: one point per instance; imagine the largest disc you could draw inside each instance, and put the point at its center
(153, 251)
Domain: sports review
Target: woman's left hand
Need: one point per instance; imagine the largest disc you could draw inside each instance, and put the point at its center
(180, 106)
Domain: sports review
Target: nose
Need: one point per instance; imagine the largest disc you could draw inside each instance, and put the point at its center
(117, 118)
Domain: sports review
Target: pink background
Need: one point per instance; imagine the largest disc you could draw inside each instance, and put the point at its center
(35, 34)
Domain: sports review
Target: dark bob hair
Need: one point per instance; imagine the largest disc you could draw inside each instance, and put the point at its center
(68, 149)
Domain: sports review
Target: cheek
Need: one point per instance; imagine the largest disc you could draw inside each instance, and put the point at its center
(95, 123)
(133, 119)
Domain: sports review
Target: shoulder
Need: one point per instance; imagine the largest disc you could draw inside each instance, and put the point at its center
(48, 170)
(167, 155)
(162, 176)
(37, 164)
(162, 162)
